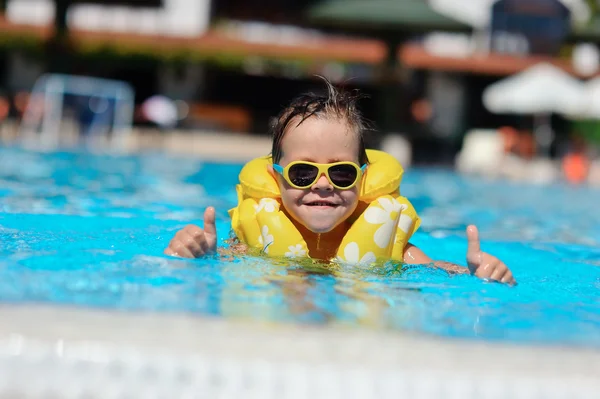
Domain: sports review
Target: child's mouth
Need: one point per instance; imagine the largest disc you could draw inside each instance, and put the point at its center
(321, 204)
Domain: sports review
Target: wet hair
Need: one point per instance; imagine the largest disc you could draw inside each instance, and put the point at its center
(339, 104)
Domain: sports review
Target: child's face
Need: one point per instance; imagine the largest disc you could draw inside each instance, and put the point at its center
(320, 207)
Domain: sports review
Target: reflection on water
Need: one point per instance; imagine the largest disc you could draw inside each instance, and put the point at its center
(97, 262)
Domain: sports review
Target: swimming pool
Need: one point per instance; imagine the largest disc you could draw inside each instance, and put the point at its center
(89, 230)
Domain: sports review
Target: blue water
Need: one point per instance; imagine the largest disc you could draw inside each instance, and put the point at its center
(89, 230)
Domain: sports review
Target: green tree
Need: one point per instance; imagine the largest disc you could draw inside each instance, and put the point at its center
(593, 4)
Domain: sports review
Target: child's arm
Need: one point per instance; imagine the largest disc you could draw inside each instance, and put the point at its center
(480, 264)
(194, 242)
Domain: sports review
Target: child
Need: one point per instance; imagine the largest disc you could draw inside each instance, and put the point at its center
(322, 194)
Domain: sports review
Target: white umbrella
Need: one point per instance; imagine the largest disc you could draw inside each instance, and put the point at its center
(542, 88)
(591, 109)
(540, 91)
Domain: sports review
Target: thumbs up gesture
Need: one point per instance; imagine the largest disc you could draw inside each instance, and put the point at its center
(484, 265)
(193, 241)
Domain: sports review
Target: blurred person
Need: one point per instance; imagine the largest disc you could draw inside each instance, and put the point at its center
(526, 146)
(322, 195)
(518, 142)
(21, 101)
(576, 163)
(4, 114)
(4, 107)
(421, 111)
(510, 136)
(27, 102)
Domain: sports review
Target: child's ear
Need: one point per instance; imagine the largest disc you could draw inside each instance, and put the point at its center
(271, 170)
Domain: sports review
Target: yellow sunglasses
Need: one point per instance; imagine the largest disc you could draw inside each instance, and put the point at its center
(303, 174)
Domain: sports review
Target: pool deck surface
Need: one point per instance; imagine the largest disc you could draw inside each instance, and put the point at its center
(121, 354)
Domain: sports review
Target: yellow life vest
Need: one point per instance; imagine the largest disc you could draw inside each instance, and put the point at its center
(380, 232)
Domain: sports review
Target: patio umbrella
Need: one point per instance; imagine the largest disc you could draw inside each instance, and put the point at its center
(539, 91)
(592, 100)
(383, 15)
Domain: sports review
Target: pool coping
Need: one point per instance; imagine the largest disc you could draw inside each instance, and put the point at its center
(83, 352)
(211, 145)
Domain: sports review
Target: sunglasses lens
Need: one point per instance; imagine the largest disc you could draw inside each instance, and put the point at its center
(343, 175)
(303, 175)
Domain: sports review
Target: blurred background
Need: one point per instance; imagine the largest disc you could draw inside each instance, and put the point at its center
(505, 88)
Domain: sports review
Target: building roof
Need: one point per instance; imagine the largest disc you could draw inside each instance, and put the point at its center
(211, 45)
(416, 56)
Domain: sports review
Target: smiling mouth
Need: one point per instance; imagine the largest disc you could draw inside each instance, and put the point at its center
(321, 203)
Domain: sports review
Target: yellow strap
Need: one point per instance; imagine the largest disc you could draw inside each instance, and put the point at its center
(383, 176)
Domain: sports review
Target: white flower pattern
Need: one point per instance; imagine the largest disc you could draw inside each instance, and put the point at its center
(265, 239)
(352, 253)
(405, 222)
(296, 251)
(386, 217)
(268, 204)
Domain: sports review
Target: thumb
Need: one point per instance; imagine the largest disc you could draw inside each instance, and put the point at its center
(473, 248)
(209, 222)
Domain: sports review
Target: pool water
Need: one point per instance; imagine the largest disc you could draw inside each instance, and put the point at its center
(89, 230)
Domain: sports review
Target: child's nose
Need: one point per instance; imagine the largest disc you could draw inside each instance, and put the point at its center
(322, 184)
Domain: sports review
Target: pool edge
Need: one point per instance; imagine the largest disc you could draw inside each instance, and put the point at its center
(79, 352)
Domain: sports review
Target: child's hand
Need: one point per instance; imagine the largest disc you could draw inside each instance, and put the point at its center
(192, 241)
(484, 265)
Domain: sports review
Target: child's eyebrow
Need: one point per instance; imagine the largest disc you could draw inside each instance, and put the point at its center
(310, 159)
(307, 159)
